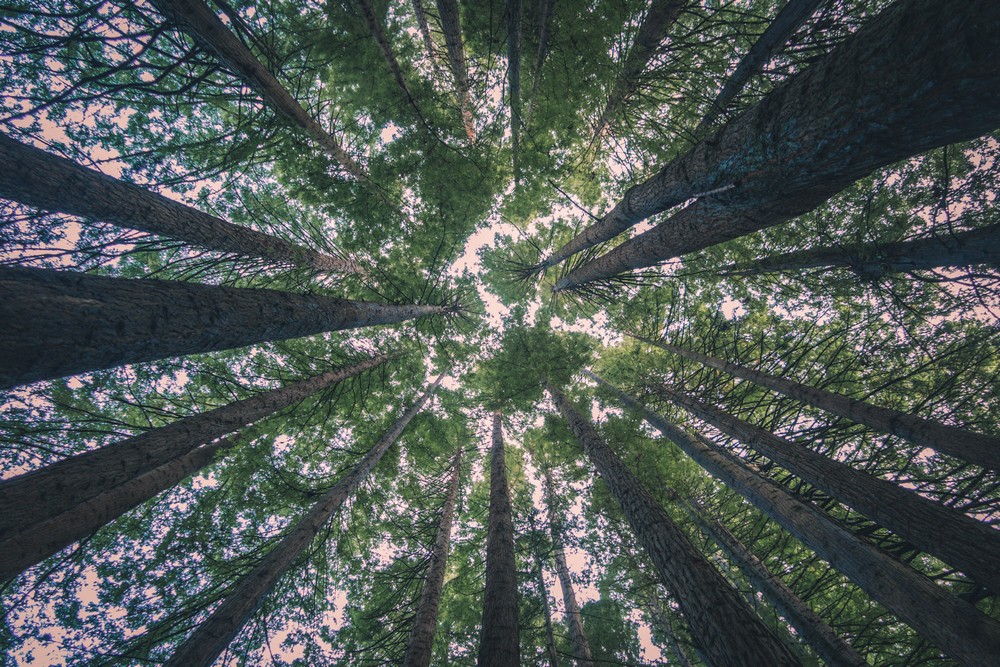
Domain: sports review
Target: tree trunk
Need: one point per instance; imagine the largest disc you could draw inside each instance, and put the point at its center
(499, 638)
(451, 25)
(51, 491)
(514, 80)
(418, 649)
(58, 323)
(954, 626)
(976, 448)
(212, 637)
(956, 538)
(722, 624)
(544, 25)
(385, 48)
(919, 75)
(814, 630)
(785, 24)
(198, 20)
(550, 639)
(33, 177)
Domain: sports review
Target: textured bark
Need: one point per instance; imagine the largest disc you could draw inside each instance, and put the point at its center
(57, 323)
(785, 24)
(499, 637)
(418, 649)
(48, 492)
(385, 48)
(198, 20)
(921, 74)
(951, 624)
(451, 25)
(721, 623)
(425, 30)
(44, 537)
(31, 176)
(514, 81)
(212, 637)
(942, 531)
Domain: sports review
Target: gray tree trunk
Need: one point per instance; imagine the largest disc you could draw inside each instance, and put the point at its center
(514, 81)
(544, 25)
(550, 639)
(451, 25)
(385, 48)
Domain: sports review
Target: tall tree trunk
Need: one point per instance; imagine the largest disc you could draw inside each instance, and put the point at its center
(919, 75)
(451, 25)
(499, 637)
(814, 630)
(385, 48)
(514, 81)
(418, 649)
(57, 323)
(662, 618)
(725, 628)
(976, 448)
(951, 624)
(48, 492)
(544, 25)
(577, 635)
(212, 637)
(785, 24)
(198, 20)
(956, 538)
(550, 639)
(31, 176)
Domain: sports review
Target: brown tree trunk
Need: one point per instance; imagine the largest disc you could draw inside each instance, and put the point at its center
(418, 649)
(544, 24)
(51, 491)
(198, 20)
(919, 75)
(451, 25)
(514, 81)
(954, 626)
(33, 177)
(726, 629)
(212, 637)
(385, 48)
(550, 639)
(499, 638)
(57, 323)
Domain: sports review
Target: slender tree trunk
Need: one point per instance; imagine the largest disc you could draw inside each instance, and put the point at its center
(418, 649)
(57, 323)
(514, 80)
(976, 448)
(919, 75)
(198, 20)
(956, 538)
(550, 639)
(954, 626)
(49, 492)
(451, 25)
(544, 25)
(425, 31)
(31, 176)
(722, 624)
(499, 638)
(212, 637)
(814, 630)
(785, 24)
(385, 48)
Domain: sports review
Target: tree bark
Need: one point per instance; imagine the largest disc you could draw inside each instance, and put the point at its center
(544, 25)
(954, 626)
(33, 177)
(198, 20)
(514, 81)
(919, 75)
(499, 638)
(48, 492)
(451, 25)
(212, 637)
(58, 323)
(385, 48)
(722, 624)
(418, 649)
(550, 639)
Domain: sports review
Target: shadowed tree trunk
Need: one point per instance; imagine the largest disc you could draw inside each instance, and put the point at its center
(721, 623)
(662, 618)
(212, 637)
(499, 636)
(31, 176)
(919, 75)
(57, 323)
(451, 25)
(374, 24)
(418, 649)
(550, 639)
(514, 81)
(544, 25)
(425, 31)
(198, 20)
(954, 626)
(45, 493)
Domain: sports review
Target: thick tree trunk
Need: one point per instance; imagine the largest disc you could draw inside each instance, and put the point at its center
(31, 176)
(814, 630)
(385, 48)
(956, 538)
(418, 649)
(198, 20)
(514, 81)
(451, 25)
(48, 492)
(499, 638)
(785, 24)
(722, 624)
(954, 626)
(919, 75)
(212, 637)
(57, 323)
(976, 448)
